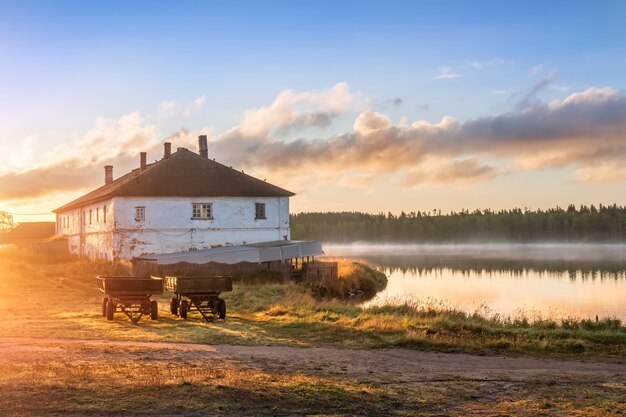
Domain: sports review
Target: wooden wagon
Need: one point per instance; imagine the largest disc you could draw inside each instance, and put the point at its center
(130, 295)
(200, 292)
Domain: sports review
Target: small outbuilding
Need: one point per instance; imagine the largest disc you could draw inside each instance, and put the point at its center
(28, 232)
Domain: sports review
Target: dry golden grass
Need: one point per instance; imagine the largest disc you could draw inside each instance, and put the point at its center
(139, 381)
(125, 385)
(345, 266)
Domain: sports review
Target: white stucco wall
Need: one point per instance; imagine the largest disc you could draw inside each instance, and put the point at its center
(168, 225)
(89, 229)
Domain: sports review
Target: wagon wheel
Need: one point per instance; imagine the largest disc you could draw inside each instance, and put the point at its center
(110, 310)
(154, 310)
(184, 307)
(221, 308)
(174, 306)
(105, 300)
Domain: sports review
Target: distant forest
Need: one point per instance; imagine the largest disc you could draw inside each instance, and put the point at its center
(572, 224)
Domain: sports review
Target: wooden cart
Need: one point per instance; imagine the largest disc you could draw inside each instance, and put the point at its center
(130, 295)
(199, 292)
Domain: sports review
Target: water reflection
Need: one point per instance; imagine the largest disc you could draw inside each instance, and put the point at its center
(534, 280)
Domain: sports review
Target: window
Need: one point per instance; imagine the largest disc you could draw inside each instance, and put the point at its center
(104, 213)
(98, 215)
(84, 217)
(259, 210)
(202, 211)
(140, 214)
(90, 212)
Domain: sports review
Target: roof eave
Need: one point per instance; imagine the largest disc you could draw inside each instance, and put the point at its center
(71, 205)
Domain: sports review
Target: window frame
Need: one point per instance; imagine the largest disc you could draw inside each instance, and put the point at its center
(199, 208)
(138, 210)
(257, 206)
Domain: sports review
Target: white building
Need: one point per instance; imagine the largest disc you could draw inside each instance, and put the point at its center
(183, 202)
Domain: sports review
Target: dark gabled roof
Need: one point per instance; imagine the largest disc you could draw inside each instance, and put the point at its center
(183, 174)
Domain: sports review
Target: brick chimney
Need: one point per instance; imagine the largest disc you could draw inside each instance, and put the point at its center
(108, 174)
(167, 150)
(204, 149)
(142, 160)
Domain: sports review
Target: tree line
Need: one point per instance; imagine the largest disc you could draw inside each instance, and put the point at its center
(604, 223)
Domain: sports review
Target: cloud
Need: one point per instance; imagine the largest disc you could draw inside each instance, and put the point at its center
(77, 165)
(480, 65)
(118, 142)
(293, 111)
(446, 73)
(26, 155)
(559, 88)
(167, 108)
(171, 108)
(397, 101)
(194, 106)
(585, 131)
(457, 172)
(530, 98)
(581, 130)
(536, 69)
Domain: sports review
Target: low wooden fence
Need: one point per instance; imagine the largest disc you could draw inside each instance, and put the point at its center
(313, 270)
(318, 270)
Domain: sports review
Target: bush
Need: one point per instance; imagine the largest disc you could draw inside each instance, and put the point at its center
(355, 279)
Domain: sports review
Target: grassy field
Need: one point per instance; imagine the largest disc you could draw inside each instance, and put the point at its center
(52, 296)
(46, 301)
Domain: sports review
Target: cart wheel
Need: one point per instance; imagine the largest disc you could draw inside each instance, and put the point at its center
(154, 310)
(221, 308)
(105, 300)
(174, 306)
(110, 310)
(184, 307)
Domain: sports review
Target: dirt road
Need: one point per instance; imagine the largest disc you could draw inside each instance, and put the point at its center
(397, 365)
(396, 381)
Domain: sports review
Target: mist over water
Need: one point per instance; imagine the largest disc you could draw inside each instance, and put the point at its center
(548, 280)
(548, 251)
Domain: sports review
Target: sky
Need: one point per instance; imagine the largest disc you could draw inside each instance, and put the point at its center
(368, 106)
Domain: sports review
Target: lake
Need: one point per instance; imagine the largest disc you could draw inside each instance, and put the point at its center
(534, 280)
